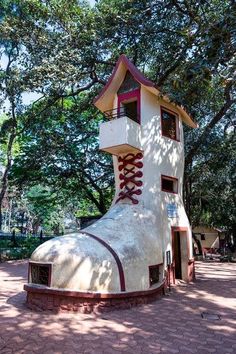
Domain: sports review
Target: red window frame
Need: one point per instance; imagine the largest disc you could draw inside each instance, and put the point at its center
(174, 179)
(129, 96)
(177, 131)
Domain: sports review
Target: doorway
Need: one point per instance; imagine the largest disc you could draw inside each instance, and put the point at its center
(180, 253)
(131, 110)
(129, 104)
(177, 255)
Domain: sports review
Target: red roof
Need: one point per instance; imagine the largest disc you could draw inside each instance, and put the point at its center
(138, 76)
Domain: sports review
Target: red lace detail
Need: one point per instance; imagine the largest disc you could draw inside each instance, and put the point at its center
(129, 165)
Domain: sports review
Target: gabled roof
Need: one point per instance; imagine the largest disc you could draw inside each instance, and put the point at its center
(104, 101)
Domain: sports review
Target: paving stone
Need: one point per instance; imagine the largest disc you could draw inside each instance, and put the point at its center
(172, 324)
(187, 349)
(170, 350)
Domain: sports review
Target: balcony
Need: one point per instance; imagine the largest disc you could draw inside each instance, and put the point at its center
(120, 135)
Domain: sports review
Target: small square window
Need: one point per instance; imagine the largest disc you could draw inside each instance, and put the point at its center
(169, 184)
(40, 273)
(154, 274)
(169, 124)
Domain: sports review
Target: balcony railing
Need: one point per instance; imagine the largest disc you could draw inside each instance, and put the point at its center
(122, 112)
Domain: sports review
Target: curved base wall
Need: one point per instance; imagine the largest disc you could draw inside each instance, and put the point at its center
(43, 298)
(56, 300)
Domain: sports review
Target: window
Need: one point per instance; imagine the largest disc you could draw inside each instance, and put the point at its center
(153, 274)
(40, 273)
(169, 184)
(169, 124)
(129, 84)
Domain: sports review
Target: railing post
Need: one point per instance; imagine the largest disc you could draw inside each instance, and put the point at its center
(13, 238)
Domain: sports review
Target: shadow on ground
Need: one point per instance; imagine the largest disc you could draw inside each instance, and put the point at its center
(172, 324)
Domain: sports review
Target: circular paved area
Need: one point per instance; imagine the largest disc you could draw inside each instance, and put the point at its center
(172, 324)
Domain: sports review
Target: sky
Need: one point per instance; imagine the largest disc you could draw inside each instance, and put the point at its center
(27, 97)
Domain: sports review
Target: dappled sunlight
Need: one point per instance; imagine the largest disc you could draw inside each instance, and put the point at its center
(171, 322)
(227, 330)
(79, 263)
(220, 300)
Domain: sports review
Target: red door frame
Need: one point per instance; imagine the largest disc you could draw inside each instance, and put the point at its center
(173, 230)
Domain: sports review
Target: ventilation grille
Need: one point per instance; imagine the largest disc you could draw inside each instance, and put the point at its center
(40, 274)
(153, 274)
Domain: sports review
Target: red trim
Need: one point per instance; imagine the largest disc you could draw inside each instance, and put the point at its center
(174, 179)
(177, 130)
(128, 96)
(169, 110)
(179, 228)
(138, 76)
(114, 254)
(173, 230)
(43, 301)
(73, 293)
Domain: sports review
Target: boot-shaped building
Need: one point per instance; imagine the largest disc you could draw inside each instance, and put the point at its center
(144, 242)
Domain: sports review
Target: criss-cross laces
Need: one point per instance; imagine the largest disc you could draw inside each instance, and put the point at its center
(128, 165)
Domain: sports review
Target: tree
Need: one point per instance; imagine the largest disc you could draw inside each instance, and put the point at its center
(33, 38)
(60, 149)
(213, 181)
(64, 48)
(188, 49)
(45, 209)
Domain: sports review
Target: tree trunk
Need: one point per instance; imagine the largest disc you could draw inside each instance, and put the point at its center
(198, 243)
(1, 217)
(4, 180)
(187, 191)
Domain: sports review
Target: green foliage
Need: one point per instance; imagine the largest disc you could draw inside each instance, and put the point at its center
(214, 183)
(62, 151)
(65, 51)
(5, 243)
(45, 209)
(86, 208)
(24, 249)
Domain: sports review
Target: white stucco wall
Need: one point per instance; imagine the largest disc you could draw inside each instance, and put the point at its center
(139, 234)
(77, 263)
(117, 134)
(162, 156)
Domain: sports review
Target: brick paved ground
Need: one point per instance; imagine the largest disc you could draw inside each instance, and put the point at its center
(170, 325)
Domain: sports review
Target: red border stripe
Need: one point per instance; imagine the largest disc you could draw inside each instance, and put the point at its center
(114, 254)
(133, 70)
